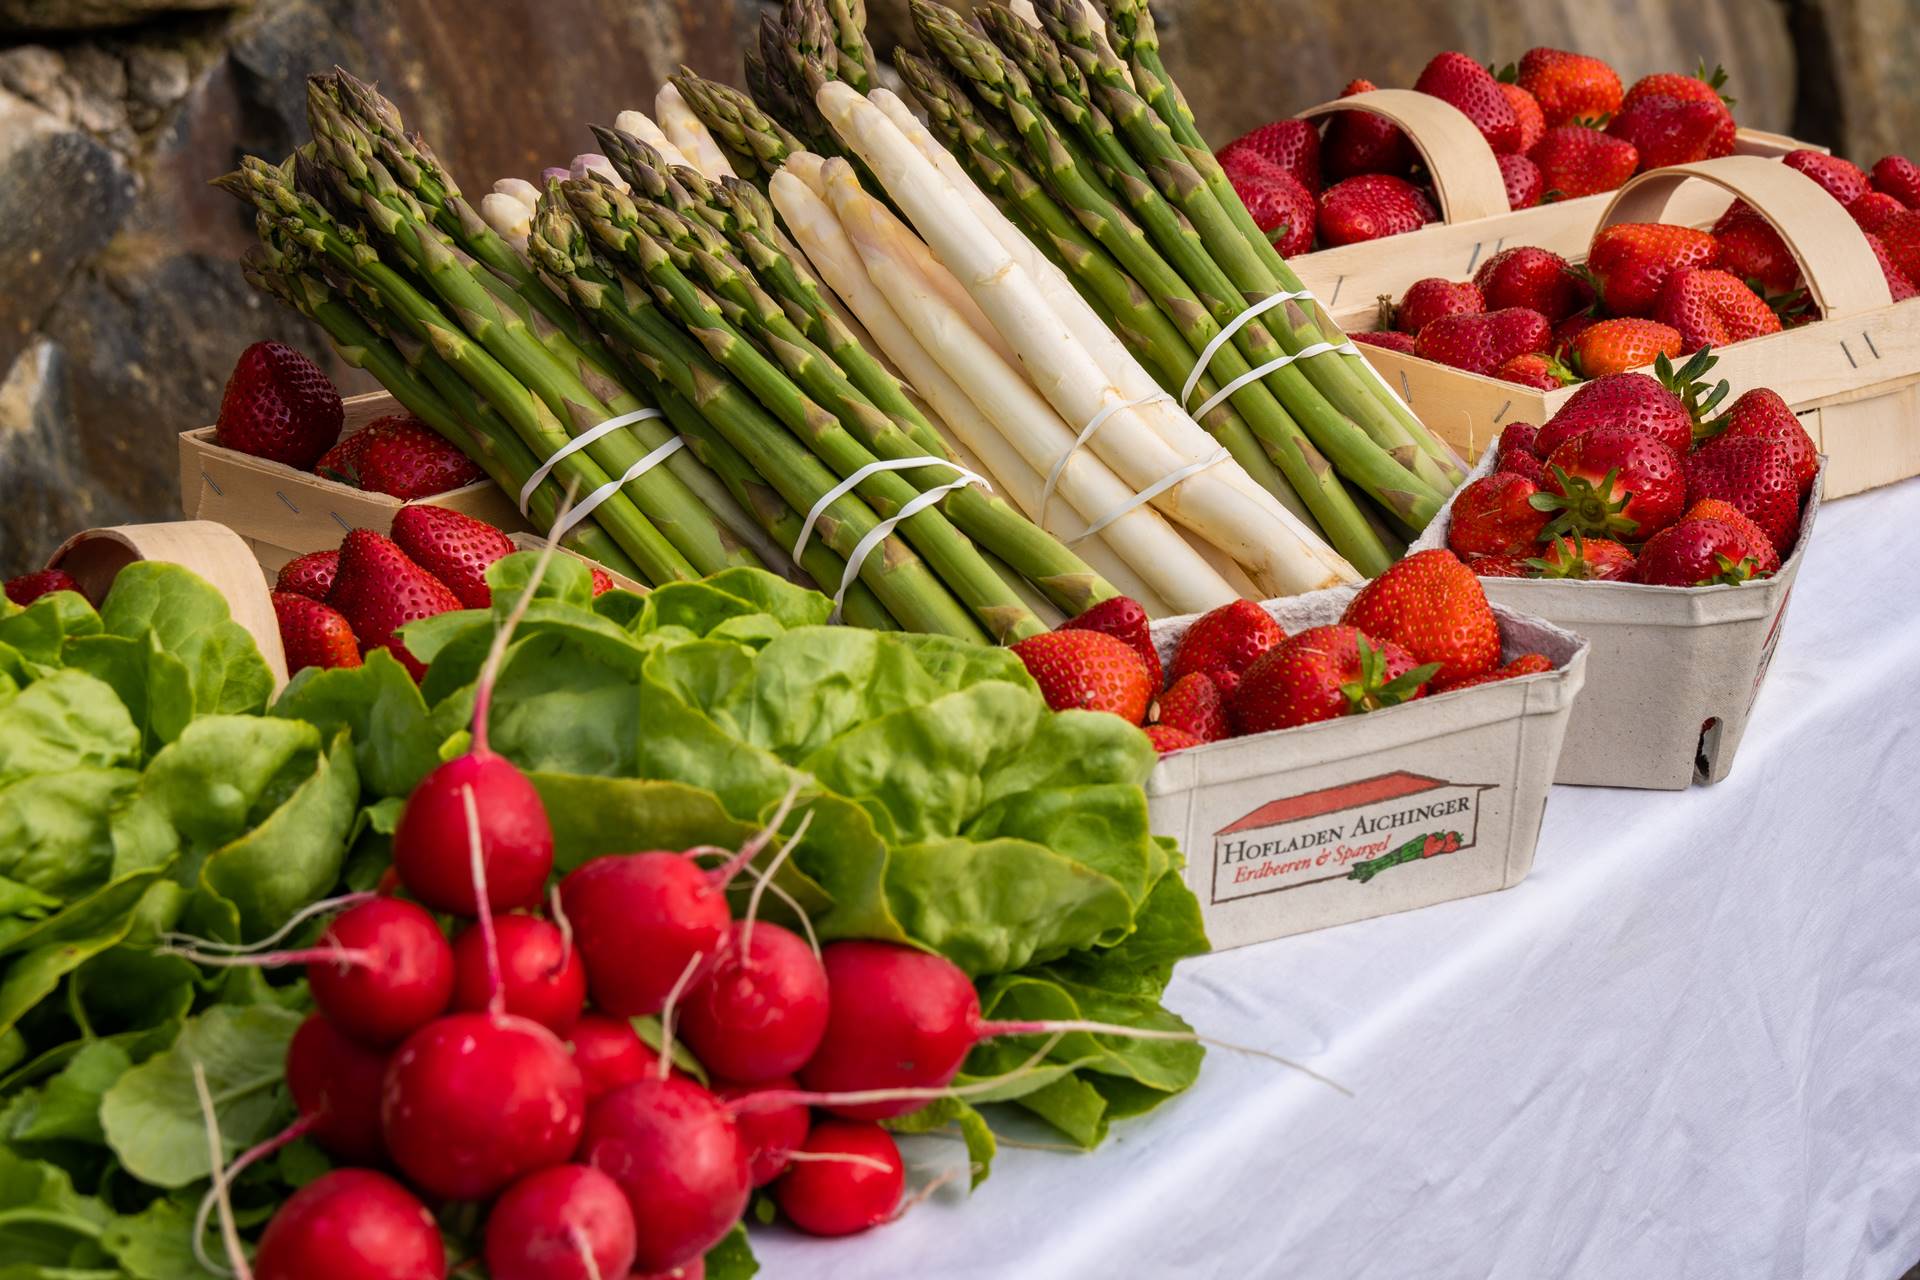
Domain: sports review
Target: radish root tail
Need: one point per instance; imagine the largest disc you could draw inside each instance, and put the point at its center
(496, 986)
(350, 957)
(584, 1246)
(922, 1195)
(497, 651)
(216, 1155)
(286, 1137)
(298, 918)
(665, 1066)
(1063, 1027)
(725, 872)
(839, 1157)
(862, 1097)
(763, 878)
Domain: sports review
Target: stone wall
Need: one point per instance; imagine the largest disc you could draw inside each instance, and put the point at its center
(121, 308)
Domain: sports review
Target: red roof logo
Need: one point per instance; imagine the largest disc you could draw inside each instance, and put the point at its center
(1351, 795)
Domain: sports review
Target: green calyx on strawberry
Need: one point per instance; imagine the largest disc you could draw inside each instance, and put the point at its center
(1697, 552)
(1582, 507)
(1586, 560)
(1323, 674)
(1688, 382)
(1374, 688)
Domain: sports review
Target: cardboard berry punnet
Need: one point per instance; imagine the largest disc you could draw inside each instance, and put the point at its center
(1328, 823)
(1674, 671)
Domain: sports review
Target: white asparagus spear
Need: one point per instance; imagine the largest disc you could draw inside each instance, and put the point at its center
(597, 165)
(975, 443)
(1282, 554)
(690, 134)
(506, 215)
(641, 126)
(520, 189)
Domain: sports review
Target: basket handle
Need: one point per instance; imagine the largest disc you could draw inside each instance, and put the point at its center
(1838, 264)
(1466, 177)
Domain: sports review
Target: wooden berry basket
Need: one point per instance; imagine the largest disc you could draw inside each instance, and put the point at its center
(1472, 198)
(1853, 376)
(282, 512)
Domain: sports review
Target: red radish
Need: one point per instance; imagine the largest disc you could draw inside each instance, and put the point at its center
(570, 1222)
(695, 1270)
(473, 1101)
(771, 1133)
(762, 1009)
(609, 1053)
(335, 1082)
(541, 973)
(678, 1154)
(351, 1224)
(854, 1185)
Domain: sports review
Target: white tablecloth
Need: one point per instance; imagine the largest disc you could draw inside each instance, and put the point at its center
(1687, 1046)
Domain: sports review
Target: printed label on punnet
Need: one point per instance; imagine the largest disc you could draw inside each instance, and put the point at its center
(1354, 831)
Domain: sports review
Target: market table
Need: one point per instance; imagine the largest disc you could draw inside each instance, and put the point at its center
(1687, 1046)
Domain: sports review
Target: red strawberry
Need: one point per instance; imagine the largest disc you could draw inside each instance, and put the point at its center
(1431, 605)
(1576, 160)
(1361, 142)
(1294, 145)
(28, 587)
(1844, 180)
(1669, 403)
(1614, 346)
(379, 589)
(1901, 239)
(1518, 437)
(1370, 206)
(1500, 567)
(313, 634)
(1899, 285)
(1495, 515)
(310, 575)
(1457, 79)
(1613, 482)
(1324, 674)
(1429, 299)
(1695, 553)
(408, 460)
(1898, 177)
(1527, 664)
(1524, 464)
(1710, 307)
(1762, 412)
(1568, 331)
(1535, 369)
(1752, 250)
(1194, 705)
(1227, 639)
(278, 405)
(1526, 112)
(1630, 262)
(453, 547)
(1584, 559)
(1166, 741)
(1757, 544)
(1569, 86)
(1701, 86)
(1281, 208)
(1871, 211)
(1482, 343)
(1667, 131)
(1087, 671)
(1756, 475)
(1535, 278)
(342, 462)
(1391, 339)
(1122, 618)
(1525, 183)
(601, 582)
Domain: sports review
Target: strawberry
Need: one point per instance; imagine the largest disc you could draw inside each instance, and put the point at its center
(1526, 112)
(1898, 177)
(379, 589)
(1457, 79)
(1361, 142)
(1871, 211)
(1899, 285)
(313, 634)
(1293, 145)
(1901, 239)
(1756, 475)
(342, 462)
(1536, 369)
(1757, 544)
(453, 547)
(28, 587)
(1527, 664)
(1525, 183)
(1431, 604)
(1576, 160)
(1762, 412)
(1701, 86)
(1281, 208)
(1391, 339)
(310, 575)
(1324, 674)
(1614, 346)
(1500, 567)
(1711, 308)
(602, 583)
(1569, 86)
(1429, 299)
(1668, 403)
(1524, 464)
(1842, 179)
(1613, 482)
(278, 405)
(1495, 515)
(1695, 553)
(1225, 639)
(1630, 261)
(1166, 740)
(1195, 706)
(1370, 206)
(408, 460)
(1482, 343)
(1752, 250)
(1087, 671)
(1567, 331)
(1535, 278)
(1518, 437)
(1122, 618)
(1585, 560)
(1667, 130)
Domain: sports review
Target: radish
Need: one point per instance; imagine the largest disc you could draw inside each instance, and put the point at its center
(570, 1222)
(541, 974)
(695, 1270)
(609, 1053)
(845, 1178)
(678, 1155)
(335, 1083)
(351, 1224)
(769, 1132)
(762, 1009)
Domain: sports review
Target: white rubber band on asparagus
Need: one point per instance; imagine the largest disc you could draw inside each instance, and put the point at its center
(1086, 434)
(847, 486)
(863, 548)
(1149, 493)
(576, 444)
(659, 455)
(1277, 363)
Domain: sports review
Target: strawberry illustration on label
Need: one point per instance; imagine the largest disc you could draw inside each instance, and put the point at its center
(1431, 845)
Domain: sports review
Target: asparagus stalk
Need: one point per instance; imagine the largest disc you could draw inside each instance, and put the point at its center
(688, 133)
(850, 37)
(754, 141)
